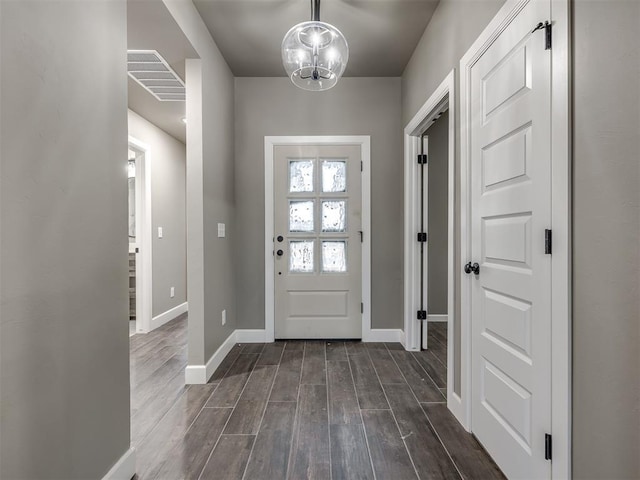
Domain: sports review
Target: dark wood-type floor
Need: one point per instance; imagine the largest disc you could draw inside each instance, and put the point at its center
(298, 410)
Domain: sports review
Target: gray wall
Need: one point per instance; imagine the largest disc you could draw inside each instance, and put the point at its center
(437, 195)
(356, 106)
(168, 210)
(64, 374)
(606, 289)
(455, 25)
(210, 192)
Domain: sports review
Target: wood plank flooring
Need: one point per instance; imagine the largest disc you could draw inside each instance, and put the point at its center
(298, 410)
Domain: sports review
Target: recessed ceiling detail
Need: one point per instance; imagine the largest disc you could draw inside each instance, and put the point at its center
(155, 75)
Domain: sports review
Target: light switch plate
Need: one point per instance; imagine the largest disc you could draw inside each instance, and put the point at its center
(173, 292)
(224, 317)
(221, 230)
(159, 232)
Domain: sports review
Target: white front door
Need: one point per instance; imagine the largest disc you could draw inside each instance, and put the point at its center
(510, 210)
(317, 241)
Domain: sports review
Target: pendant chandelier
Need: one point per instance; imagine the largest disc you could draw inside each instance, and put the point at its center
(314, 53)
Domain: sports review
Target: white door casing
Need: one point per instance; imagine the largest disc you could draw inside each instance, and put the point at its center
(317, 241)
(367, 333)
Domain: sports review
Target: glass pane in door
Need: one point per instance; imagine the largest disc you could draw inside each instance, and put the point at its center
(334, 176)
(300, 176)
(301, 256)
(301, 216)
(334, 256)
(334, 217)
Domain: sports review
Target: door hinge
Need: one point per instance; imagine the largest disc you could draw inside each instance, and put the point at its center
(361, 307)
(361, 236)
(547, 241)
(422, 237)
(422, 314)
(547, 446)
(361, 166)
(547, 33)
(547, 36)
(422, 159)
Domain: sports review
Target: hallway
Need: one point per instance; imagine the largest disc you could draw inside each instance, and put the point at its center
(298, 410)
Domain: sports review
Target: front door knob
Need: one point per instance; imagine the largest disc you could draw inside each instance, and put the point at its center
(475, 268)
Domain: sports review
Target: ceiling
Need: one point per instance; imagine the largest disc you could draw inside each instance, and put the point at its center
(382, 34)
(150, 26)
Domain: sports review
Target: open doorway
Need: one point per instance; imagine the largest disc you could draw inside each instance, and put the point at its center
(430, 239)
(133, 245)
(139, 244)
(435, 207)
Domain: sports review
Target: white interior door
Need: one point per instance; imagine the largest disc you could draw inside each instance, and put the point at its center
(317, 242)
(510, 210)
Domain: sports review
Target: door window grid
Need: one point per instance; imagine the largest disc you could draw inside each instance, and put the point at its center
(317, 213)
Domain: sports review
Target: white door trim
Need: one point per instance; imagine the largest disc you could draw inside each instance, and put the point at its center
(560, 222)
(364, 141)
(441, 99)
(144, 269)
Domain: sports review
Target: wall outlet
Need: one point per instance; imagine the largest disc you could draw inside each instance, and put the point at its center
(159, 232)
(172, 293)
(224, 317)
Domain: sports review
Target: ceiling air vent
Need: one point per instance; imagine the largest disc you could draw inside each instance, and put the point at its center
(152, 71)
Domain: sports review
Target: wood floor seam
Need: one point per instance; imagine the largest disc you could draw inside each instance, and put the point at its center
(393, 415)
(294, 440)
(364, 428)
(229, 418)
(264, 411)
(326, 379)
(434, 431)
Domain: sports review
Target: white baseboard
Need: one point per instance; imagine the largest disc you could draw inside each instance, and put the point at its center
(169, 315)
(383, 335)
(403, 339)
(438, 318)
(251, 336)
(454, 403)
(124, 469)
(200, 374)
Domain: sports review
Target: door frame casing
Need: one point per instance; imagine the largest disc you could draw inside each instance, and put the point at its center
(270, 142)
(443, 98)
(144, 269)
(560, 217)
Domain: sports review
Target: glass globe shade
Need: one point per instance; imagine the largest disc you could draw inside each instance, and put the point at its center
(314, 55)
